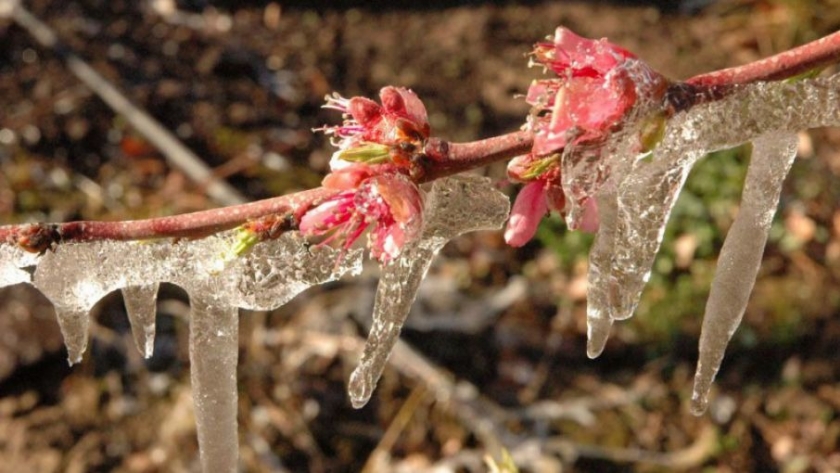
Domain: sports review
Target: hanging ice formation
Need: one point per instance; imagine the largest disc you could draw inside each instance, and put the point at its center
(454, 206)
(76, 275)
(638, 191)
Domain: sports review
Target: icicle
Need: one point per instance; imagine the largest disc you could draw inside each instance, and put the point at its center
(141, 306)
(214, 350)
(453, 207)
(74, 277)
(644, 193)
(740, 256)
(634, 207)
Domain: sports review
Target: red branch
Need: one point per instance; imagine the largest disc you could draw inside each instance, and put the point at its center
(814, 55)
(440, 159)
(448, 159)
(41, 236)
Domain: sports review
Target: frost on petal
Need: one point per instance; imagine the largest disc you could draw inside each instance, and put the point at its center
(454, 206)
(528, 210)
(740, 256)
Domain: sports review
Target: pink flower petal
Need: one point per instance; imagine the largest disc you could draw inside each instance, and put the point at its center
(528, 209)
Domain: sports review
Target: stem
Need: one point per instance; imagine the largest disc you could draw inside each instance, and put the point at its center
(40, 237)
(454, 158)
(448, 159)
(814, 55)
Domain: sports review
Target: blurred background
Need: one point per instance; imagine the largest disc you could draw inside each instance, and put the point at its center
(501, 331)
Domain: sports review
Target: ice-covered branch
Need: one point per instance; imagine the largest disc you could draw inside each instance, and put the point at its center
(444, 159)
(76, 275)
(635, 203)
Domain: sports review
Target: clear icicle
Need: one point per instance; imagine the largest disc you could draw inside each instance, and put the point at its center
(453, 207)
(740, 256)
(598, 318)
(141, 306)
(636, 198)
(74, 277)
(214, 350)
(633, 213)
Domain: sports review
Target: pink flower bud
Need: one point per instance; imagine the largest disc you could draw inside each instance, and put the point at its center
(598, 84)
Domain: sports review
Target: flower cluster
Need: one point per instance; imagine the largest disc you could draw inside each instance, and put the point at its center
(597, 86)
(375, 144)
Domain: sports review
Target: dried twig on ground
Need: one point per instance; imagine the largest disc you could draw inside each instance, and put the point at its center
(175, 152)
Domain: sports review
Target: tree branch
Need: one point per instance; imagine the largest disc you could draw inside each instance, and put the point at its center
(448, 159)
(814, 55)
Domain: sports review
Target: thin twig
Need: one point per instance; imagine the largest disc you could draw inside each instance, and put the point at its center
(42, 236)
(175, 152)
(814, 55)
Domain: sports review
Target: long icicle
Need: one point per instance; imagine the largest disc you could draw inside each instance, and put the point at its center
(740, 257)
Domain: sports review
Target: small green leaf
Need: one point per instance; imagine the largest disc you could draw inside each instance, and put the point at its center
(367, 153)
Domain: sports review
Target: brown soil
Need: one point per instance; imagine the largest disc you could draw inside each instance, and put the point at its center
(245, 98)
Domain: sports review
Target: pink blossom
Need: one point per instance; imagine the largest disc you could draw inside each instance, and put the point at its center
(598, 84)
(389, 204)
(374, 133)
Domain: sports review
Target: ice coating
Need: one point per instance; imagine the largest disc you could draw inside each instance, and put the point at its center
(141, 307)
(454, 206)
(76, 275)
(635, 204)
(13, 260)
(267, 281)
(740, 257)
